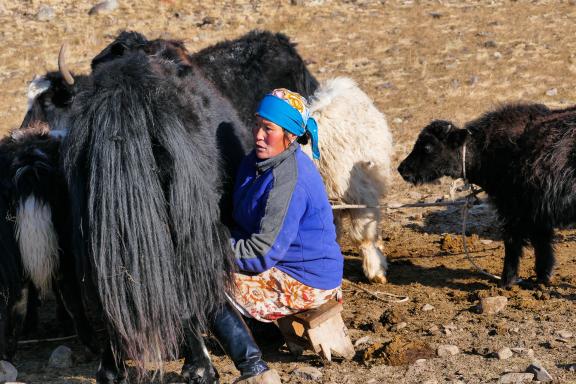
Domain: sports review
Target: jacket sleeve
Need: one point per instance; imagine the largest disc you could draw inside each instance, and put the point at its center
(285, 207)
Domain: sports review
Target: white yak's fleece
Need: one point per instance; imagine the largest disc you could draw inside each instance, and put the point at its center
(355, 143)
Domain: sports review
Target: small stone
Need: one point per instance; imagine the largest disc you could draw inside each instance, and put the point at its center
(552, 92)
(386, 85)
(430, 382)
(308, 373)
(415, 195)
(564, 334)
(435, 15)
(61, 357)
(490, 44)
(455, 83)
(446, 350)
(398, 120)
(497, 55)
(399, 326)
(504, 353)
(362, 341)
(432, 199)
(7, 372)
(472, 80)
(516, 378)
(486, 241)
(540, 373)
(451, 327)
(420, 361)
(523, 351)
(45, 13)
(492, 305)
(434, 329)
(103, 7)
(427, 307)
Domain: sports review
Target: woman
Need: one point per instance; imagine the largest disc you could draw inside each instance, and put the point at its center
(284, 237)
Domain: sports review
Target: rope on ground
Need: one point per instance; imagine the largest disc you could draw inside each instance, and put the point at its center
(50, 340)
(388, 297)
(465, 208)
(466, 204)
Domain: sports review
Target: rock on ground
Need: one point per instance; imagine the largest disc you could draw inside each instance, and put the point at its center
(308, 373)
(504, 353)
(445, 350)
(492, 305)
(516, 378)
(7, 372)
(61, 357)
(103, 7)
(45, 13)
(540, 373)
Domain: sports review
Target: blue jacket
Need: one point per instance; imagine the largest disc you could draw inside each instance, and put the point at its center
(284, 220)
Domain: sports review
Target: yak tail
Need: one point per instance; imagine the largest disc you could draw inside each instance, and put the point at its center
(34, 172)
(155, 245)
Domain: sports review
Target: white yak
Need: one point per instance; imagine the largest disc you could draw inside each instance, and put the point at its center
(355, 150)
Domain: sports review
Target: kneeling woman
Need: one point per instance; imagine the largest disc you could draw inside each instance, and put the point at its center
(285, 238)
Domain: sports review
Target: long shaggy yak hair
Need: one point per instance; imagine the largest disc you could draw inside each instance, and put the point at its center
(142, 162)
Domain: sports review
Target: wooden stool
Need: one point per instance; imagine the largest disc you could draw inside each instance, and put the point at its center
(320, 329)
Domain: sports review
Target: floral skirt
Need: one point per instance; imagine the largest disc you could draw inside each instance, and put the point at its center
(273, 294)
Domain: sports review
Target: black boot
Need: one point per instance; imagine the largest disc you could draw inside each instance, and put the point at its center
(237, 341)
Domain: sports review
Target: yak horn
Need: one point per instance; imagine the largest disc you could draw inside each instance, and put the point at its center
(62, 67)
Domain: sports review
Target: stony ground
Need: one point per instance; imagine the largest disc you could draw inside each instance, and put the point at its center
(419, 60)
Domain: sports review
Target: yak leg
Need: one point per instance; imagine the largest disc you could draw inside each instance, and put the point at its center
(512, 254)
(15, 323)
(112, 369)
(4, 311)
(544, 254)
(198, 368)
(72, 300)
(31, 323)
(363, 231)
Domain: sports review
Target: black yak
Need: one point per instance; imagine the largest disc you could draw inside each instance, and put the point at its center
(142, 159)
(34, 234)
(524, 157)
(243, 69)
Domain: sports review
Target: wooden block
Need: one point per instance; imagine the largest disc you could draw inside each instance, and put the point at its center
(321, 330)
(313, 317)
(331, 335)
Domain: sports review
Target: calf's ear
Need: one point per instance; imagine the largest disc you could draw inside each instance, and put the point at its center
(457, 137)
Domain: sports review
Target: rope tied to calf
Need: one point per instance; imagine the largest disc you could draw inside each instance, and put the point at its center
(467, 203)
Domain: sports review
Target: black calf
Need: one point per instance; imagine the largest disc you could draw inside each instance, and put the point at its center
(524, 157)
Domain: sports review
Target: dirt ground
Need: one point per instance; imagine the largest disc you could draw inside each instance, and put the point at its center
(419, 60)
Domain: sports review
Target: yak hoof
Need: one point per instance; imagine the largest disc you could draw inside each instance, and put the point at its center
(507, 283)
(200, 375)
(379, 279)
(106, 376)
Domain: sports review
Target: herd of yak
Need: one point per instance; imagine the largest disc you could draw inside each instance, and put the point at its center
(116, 188)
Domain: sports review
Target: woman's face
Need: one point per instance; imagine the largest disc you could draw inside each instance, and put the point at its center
(270, 139)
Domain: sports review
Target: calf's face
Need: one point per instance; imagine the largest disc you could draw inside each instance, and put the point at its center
(436, 153)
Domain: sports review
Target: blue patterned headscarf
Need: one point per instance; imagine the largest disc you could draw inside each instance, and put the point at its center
(290, 110)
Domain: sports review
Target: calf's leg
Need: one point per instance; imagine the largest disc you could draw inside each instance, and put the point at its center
(544, 254)
(512, 254)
